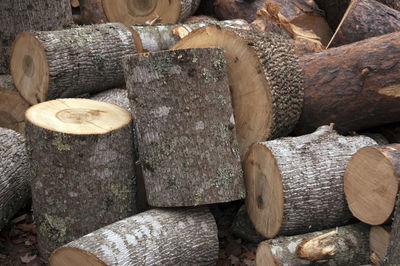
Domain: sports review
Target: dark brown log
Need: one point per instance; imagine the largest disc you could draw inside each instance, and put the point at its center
(155, 237)
(371, 183)
(206, 7)
(12, 106)
(68, 63)
(334, 10)
(234, 9)
(391, 132)
(295, 184)
(264, 78)
(379, 238)
(355, 86)
(393, 250)
(193, 126)
(395, 4)
(17, 16)
(15, 174)
(346, 245)
(365, 19)
(92, 12)
(83, 155)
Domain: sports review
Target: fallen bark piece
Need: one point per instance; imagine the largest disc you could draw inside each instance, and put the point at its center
(393, 251)
(26, 15)
(264, 78)
(68, 63)
(155, 237)
(163, 37)
(12, 107)
(83, 155)
(352, 85)
(136, 12)
(365, 19)
(295, 184)
(346, 245)
(371, 183)
(15, 175)
(190, 121)
(379, 238)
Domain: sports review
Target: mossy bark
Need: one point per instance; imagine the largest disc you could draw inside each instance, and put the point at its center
(187, 145)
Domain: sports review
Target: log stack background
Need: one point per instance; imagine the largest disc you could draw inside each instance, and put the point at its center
(286, 97)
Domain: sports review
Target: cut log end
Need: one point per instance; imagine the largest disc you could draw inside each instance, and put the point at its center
(264, 186)
(29, 68)
(65, 256)
(379, 238)
(78, 116)
(371, 186)
(264, 255)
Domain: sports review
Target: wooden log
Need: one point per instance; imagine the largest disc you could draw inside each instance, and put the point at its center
(17, 16)
(15, 174)
(379, 237)
(346, 245)
(264, 78)
(295, 184)
(115, 96)
(395, 4)
(67, 63)
(243, 227)
(232, 9)
(12, 107)
(365, 19)
(163, 37)
(355, 86)
(334, 10)
(191, 125)
(92, 12)
(75, 3)
(136, 12)
(393, 251)
(155, 237)
(200, 18)
(371, 191)
(83, 151)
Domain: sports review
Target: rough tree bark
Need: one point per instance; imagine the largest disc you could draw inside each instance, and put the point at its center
(15, 174)
(155, 237)
(25, 15)
(163, 37)
(68, 63)
(83, 151)
(371, 191)
(264, 77)
(395, 4)
(12, 107)
(346, 245)
(295, 184)
(355, 86)
(365, 19)
(186, 138)
(393, 251)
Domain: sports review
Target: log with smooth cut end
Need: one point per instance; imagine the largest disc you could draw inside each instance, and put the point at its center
(371, 183)
(12, 106)
(379, 237)
(346, 245)
(155, 237)
(264, 77)
(67, 63)
(136, 12)
(82, 152)
(295, 184)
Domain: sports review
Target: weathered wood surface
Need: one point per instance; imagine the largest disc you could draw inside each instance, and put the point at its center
(186, 138)
(155, 237)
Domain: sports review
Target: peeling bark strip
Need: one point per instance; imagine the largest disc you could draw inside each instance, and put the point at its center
(83, 151)
(25, 15)
(371, 191)
(365, 19)
(295, 184)
(138, 12)
(12, 107)
(15, 174)
(346, 245)
(163, 37)
(68, 63)
(186, 138)
(155, 237)
(349, 85)
(393, 251)
(264, 77)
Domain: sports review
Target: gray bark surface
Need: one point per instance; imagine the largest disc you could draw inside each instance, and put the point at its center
(155, 237)
(188, 7)
(15, 174)
(83, 182)
(114, 96)
(17, 16)
(186, 139)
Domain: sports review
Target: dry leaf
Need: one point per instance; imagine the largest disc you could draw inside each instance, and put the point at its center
(26, 227)
(250, 255)
(27, 258)
(19, 218)
(2, 256)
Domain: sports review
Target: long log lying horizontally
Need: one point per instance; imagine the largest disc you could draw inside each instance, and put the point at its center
(186, 135)
(68, 63)
(83, 155)
(295, 184)
(155, 237)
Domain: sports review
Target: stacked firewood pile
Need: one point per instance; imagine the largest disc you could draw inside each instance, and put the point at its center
(126, 131)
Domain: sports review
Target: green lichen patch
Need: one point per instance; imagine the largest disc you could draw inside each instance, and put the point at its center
(58, 143)
(120, 191)
(167, 147)
(206, 75)
(224, 177)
